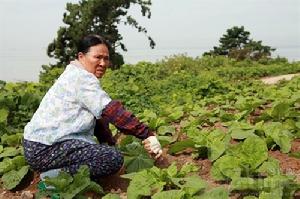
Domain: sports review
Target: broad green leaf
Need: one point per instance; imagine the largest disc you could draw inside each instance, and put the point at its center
(181, 145)
(135, 88)
(254, 152)
(94, 187)
(171, 194)
(284, 141)
(270, 167)
(215, 141)
(240, 125)
(164, 140)
(226, 167)
(3, 115)
(13, 178)
(216, 193)
(173, 113)
(279, 135)
(6, 165)
(81, 181)
(134, 148)
(151, 118)
(198, 110)
(297, 124)
(155, 123)
(280, 110)
(69, 187)
(9, 152)
(129, 175)
(18, 161)
(275, 184)
(241, 115)
(166, 130)
(172, 170)
(244, 183)
(216, 149)
(241, 130)
(289, 125)
(148, 114)
(136, 158)
(157, 172)
(138, 163)
(278, 181)
(176, 115)
(247, 103)
(226, 116)
(187, 168)
(191, 184)
(241, 134)
(125, 141)
(193, 132)
(143, 183)
(274, 194)
(12, 140)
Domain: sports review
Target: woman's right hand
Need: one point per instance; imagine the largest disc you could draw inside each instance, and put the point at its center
(153, 147)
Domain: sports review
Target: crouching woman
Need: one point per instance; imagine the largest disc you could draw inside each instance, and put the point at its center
(60, 133)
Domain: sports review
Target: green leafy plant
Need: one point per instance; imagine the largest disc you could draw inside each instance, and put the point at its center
(211, 144)
(12, 178)
(169, 182)
(273, 187)
(241, 160)
(65, 186)
(136, 157)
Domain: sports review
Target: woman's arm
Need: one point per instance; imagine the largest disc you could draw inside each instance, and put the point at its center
(103, 133)
(125, 121)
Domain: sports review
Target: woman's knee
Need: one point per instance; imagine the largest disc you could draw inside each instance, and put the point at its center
(108, 163)
(117, 161)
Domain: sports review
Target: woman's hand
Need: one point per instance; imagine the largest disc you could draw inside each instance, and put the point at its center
(153, 147)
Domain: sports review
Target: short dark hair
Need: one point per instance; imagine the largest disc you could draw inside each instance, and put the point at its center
(90, 40)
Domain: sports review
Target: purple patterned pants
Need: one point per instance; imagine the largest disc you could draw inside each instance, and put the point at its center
(69, 155)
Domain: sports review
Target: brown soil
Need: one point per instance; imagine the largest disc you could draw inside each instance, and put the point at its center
(296, 146)
(289, 165)
(25, 190)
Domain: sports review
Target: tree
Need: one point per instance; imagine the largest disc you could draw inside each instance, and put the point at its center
(236, 44)
(97, 17)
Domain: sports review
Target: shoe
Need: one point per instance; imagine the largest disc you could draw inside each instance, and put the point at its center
(51, 174)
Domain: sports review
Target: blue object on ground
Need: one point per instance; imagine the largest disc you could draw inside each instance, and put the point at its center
(51, 174)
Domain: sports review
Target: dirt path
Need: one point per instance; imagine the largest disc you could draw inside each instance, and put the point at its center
(275, 79)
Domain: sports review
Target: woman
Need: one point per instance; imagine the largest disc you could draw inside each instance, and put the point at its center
(60, 133)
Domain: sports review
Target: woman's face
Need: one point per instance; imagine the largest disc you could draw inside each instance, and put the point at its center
(96, 60)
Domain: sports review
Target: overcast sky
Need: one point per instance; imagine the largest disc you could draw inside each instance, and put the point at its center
(177, 26)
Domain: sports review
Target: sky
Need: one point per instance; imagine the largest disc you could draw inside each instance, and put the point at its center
(188, 27)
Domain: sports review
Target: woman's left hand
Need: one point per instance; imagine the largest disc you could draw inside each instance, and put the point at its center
(153, 147)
